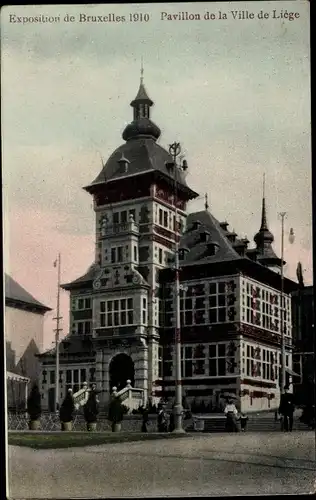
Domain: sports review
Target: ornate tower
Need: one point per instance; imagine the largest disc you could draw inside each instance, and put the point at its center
(264, 239)
(135, 199)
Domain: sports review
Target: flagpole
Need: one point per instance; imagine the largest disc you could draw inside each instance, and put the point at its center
(58, 318)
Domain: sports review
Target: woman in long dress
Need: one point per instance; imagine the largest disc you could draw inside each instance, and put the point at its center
(231, 413)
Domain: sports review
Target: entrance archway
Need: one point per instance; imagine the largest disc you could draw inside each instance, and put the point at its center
(121, 370)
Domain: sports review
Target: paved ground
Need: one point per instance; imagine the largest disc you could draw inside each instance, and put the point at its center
(211, 464)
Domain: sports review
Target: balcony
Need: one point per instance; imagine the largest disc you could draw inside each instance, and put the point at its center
(122, 228)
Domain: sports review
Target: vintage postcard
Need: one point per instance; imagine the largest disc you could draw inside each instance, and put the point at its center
(159, 305)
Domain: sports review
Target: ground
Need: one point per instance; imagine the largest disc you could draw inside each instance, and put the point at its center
(203, 465)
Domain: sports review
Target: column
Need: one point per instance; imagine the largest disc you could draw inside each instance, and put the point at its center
(98, 369)
(140, 359)
(153, 364)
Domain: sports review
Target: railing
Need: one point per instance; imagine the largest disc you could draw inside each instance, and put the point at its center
(123, 227)
(132, 397)
(81, 397)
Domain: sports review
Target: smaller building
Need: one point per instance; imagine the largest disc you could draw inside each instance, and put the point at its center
(304, 343)
(24, 336)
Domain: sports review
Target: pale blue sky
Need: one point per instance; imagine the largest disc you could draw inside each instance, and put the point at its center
(236, 94)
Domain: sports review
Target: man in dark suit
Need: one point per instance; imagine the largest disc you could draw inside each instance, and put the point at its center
(287, 408)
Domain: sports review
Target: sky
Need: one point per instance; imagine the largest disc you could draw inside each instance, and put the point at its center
(234, 92)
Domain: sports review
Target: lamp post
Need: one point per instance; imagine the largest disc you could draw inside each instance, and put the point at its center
(282, 381)
(175, 150)
(58, 329)
(282, 308)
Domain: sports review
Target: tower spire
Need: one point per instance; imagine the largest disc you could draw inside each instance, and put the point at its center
(142, 71)
(264, 224)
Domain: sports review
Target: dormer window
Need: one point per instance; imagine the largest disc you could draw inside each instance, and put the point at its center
(205, 235)
(124, 163)
(196, 225)
(182, 252)
(212, 247)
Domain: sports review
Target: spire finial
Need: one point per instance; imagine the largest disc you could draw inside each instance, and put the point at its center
(264, 186)
(142, 70)
(206, 202)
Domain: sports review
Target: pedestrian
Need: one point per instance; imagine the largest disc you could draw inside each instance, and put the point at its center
(145, 419)
(243, 421)
(286, 409)
(231, 413)
(162, 420)
(171, 421)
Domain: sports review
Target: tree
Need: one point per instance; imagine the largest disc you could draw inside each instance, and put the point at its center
(67, 408)
(116, 412)
(90, 409)
(34, 408)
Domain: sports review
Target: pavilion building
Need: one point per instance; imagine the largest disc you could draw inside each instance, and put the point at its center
(122, 310)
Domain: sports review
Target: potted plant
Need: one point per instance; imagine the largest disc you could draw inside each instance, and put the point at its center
(91, 410)
(116, 413)
(34, 408)
(66, 411)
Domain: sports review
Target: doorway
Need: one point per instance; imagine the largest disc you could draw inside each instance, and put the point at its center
(121, 370)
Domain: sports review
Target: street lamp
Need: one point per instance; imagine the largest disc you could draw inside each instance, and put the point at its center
(282, 308)
(175, 150)
(57, 331)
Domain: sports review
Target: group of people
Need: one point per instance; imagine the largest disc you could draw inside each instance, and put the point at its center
(286, 412)
(233, 417)
(165, 420)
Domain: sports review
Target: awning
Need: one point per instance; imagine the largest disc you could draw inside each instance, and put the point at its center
(291, 372)
(17, 377)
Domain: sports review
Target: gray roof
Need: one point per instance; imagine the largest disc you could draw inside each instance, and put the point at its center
(71, 344)
(15, 292)
(142, 96)
(198, 249)
(144, 155)
(89, 276)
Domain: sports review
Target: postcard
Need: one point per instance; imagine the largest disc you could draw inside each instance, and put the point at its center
(158, 265)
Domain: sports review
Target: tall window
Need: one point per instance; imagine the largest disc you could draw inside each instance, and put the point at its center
(144, 311)
(217, 303)
(118, 312)
(160, 255)
(167, 361)
(82, 303)
(83, 327)
(116, 254)
(260, 362)
(217, 360)
(160, 217)
(160, 374)
(261, 307)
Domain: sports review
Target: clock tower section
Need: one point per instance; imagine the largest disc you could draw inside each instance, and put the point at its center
(140, 202)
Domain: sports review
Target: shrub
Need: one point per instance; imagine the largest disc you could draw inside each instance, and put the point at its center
(67, 408)
(90, 409)
(34, 408)
(116, 411)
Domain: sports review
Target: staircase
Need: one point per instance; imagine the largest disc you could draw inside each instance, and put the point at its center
(80, 397)
(257, 423)
(130, 396)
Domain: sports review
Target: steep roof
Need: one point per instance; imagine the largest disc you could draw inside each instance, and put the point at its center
(194, 240)
(144, 155)
(89, 276)
(16, 293)
(72, 344)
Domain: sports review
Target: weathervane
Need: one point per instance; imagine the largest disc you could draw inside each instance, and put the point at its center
(206, 202)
